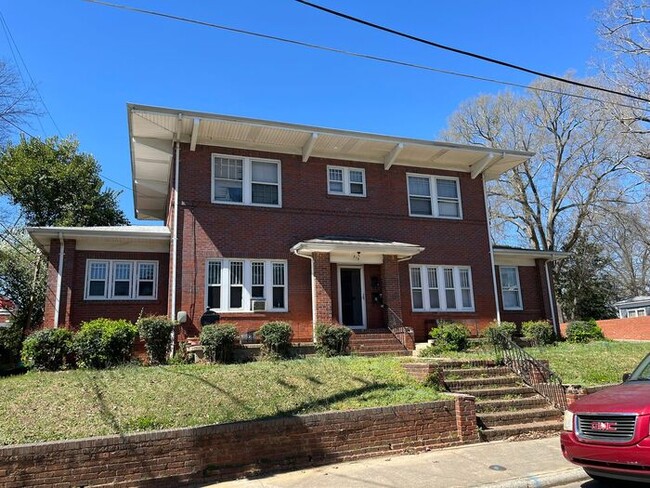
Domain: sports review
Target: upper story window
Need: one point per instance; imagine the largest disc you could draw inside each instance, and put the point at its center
(246, 181)
(434, 196)
(441, 288)
(121, 280)
(510, 288)
(233, 285)
(346, 181)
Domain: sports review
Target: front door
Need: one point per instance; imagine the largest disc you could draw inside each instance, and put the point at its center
(352, 306)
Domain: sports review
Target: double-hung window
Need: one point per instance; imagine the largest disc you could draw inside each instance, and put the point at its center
(510, 288)
(342, 180)
(108, 279)
(434, 196)
(246, 181)
(441, 288)
(233, 284)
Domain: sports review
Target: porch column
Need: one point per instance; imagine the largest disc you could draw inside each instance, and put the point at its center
(391, 290)
(322, 284)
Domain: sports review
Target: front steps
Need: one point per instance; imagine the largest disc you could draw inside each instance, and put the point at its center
(505, 406)
(376, 342)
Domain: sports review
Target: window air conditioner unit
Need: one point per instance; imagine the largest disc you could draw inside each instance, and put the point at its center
(258, 305)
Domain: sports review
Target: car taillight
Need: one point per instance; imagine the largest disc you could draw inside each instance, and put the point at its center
(568, 420)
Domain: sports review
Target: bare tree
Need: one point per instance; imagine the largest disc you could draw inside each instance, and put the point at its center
(582, 161)
(17, 103)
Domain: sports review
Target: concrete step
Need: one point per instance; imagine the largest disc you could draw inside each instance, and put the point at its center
(466, 363)
(377, 347)
(501, 418)
(387, 341)
(459, 373)
(508, 431)
(511, 404)
(403, 352)
(499, 393)
(483, 383)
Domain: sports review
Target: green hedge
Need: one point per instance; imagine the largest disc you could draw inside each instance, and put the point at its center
(218, 342)
(276, 339)
(540, 332)
(103, 343)
(47, 349)
(156, 332)
(449, 337)
(583, 331)
(332, 340)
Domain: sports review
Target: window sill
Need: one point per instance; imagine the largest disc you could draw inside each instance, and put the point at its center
(244, 314)
(518, 309)
(417, 216)
(439, 310)
(241, 204)
(121, 300)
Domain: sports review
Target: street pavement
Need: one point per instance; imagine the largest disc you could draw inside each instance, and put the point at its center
(531, 463)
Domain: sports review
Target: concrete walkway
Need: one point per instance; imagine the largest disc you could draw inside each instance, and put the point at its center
(533, 463)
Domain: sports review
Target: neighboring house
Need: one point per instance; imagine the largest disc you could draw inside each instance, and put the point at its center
(274, 221)
(6, 308)
(633, 307)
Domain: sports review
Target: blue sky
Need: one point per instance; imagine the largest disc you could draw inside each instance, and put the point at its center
(88, 61)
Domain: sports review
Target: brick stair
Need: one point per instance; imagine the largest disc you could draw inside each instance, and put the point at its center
(376, 342)
(505, 406)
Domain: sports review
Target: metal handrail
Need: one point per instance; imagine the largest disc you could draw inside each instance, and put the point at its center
(401, 331)
(533, 372)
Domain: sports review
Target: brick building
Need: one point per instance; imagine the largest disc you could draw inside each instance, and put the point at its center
(274, 221)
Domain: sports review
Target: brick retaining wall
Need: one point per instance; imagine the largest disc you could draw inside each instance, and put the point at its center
(228, 451)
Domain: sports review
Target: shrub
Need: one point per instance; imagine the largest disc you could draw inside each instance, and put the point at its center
(10, 344)
(218, 342)
(156, 332)
(508, 329)
(47, 349)
(276, 339)
(449, 337)
(102, 343)
(181, 355)
(539, 331)
(332, 340)
(581, 331)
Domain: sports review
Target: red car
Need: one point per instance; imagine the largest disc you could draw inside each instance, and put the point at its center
(608, 432)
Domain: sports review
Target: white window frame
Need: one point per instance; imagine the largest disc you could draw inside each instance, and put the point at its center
(247, 284)
(518, 289)
(433, 189)
(347, 184)
(247, 180)
(442, 297)
(638, 312)
(134, 283)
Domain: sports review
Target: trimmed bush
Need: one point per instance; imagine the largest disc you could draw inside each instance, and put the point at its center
(276, 339)
(332, 340)
(10, 344)
(508, 329)
(156, 332)
(582, 331)
(103, 343)
(540, 332)
(449, 337)
(218, 342)
(47, 349)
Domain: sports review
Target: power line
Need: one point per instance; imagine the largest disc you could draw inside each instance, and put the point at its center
(350, 53)
(11, 40)
(467, 53)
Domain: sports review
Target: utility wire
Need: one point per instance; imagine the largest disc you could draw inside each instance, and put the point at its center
(350, 53)
(467, 53)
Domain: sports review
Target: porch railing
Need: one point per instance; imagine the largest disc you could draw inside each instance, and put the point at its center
(399, 331)
(533, 372)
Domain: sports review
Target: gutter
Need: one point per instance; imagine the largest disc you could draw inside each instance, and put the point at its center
(175, 241)
(313, 290)
(59, 281)
(494, 271)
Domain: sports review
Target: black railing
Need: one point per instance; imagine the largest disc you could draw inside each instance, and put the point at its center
(532, 371)
(397, 329)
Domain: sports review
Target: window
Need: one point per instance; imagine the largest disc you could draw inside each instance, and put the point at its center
(246, 280)
(434, 196)
(245, 181)
(447, 288)
(346, 181)
(510, 289)
(637, 312)
(121, 280)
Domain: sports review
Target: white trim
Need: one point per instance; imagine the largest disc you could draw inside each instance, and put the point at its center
(433, 190)
(246, 285)
(362, 278)
(518, 290)
(247, 180)
(345, 182)
(493, 271)
(110, 280)
(59, 281)
(423, 270)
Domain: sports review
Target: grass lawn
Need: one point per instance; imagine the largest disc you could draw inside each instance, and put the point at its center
(73, 404)
(595, 363)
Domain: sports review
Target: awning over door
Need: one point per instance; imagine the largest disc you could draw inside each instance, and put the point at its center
(348, 250)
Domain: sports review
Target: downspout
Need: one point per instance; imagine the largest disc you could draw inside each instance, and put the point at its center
(59, 281)
(551, 300)
(175, 240)
(494, 273)
(313, 292)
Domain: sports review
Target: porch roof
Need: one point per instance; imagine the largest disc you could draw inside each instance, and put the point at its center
(344, 249)
(153, 131)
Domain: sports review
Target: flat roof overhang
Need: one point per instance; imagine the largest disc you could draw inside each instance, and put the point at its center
(153, 131)
(511, 256)
(356, 252)
(118, 239)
